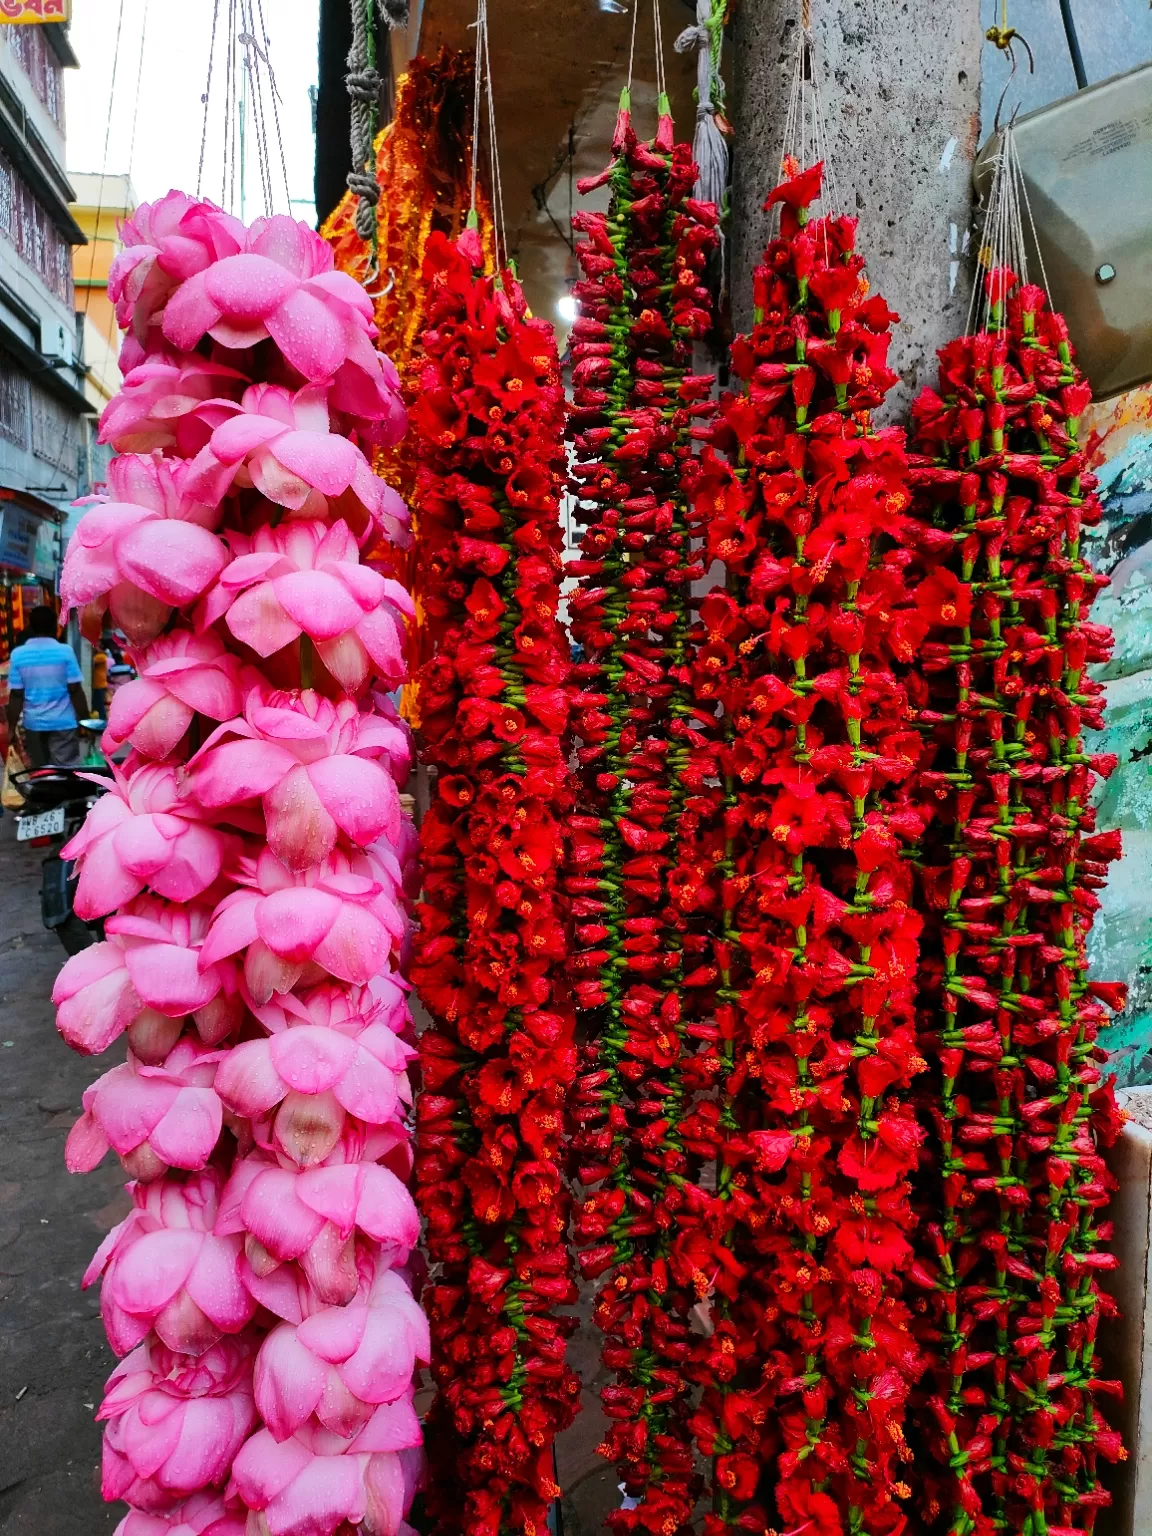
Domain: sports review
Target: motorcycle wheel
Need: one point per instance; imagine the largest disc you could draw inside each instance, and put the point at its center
(74, 934)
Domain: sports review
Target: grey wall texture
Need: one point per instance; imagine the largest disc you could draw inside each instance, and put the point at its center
(910, 90)
(901, 94)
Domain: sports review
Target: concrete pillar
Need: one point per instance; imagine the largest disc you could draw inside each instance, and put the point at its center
(901, 91)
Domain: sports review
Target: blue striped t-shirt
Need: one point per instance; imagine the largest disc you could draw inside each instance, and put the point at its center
(44, 668)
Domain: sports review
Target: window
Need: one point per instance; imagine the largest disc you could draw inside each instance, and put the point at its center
(54, 431)
(28, 225)
(15, 401)
(37, 58)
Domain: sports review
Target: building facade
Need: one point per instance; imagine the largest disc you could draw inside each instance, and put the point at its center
(43, 437)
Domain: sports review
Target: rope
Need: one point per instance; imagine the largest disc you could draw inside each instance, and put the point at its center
(632, 44)
(709, 146)
(207, 96)
(363, 85)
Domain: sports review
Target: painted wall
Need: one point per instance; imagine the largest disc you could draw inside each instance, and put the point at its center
(1121, 944)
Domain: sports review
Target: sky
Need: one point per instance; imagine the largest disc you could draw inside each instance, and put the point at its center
(154, 117)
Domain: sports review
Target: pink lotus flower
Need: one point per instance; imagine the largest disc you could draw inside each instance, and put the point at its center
(155, 1118)
(145, 978)
(317, 1483)
(305, 578)
(178, 676)
(282, 444)
(155, 406)
(141, 553)
(163, 244)
(342, 916)
(321, 768)
(143, 832)
(312, 1218)
(313, 1075)
(342, 1362)
(204, 1514)
(164, 1268)
(175, 1422)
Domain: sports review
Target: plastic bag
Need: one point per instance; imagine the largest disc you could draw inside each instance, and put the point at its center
(10, 796)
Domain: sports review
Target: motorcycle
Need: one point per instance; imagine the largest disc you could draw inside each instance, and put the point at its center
(56, 801)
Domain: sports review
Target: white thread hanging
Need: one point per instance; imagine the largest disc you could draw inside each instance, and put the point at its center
(239, 52)
(709, 146)
(1004, 243)
(805, 138)
(483, 84)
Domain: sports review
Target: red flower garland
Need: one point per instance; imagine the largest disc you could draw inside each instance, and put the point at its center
(643, 303)
(499, 1059)
(1009, 1255)
(805, 816)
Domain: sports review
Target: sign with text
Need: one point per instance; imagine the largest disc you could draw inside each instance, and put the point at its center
(19, 530)
(21, 12)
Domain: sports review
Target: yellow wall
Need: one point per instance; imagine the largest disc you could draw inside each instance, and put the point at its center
(100, 220)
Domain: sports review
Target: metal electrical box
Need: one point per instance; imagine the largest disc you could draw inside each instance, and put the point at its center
(1087, 166)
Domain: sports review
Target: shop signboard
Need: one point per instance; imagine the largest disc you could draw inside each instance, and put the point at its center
(25, 12)
(19, 531)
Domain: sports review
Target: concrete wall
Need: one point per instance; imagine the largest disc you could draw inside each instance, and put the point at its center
(902, 102)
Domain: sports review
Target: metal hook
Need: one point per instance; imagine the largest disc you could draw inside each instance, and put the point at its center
(1009, 47)
(373, 273)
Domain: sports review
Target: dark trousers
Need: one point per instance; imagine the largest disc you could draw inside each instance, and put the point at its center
(59, 749)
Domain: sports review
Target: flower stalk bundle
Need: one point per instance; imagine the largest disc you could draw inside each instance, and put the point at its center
(1011, 1191)
(253, 863)
(498, 1059)
(643, 304)
(802, 770)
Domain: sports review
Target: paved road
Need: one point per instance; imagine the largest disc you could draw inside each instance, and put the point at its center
(53, 1356)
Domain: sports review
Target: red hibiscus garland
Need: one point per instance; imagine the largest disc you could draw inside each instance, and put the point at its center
(1010, 1256)
(643, 303)
(803, 760)
(498, 1059)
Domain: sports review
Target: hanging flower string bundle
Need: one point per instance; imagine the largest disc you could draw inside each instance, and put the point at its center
(1009, 1195)
(643, 305)
(805, 759)
(252, 865)
(498, 1059)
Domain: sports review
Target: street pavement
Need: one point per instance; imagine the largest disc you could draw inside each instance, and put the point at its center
(53, 1355)
(54, 1359)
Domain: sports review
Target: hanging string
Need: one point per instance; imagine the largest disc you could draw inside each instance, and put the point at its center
(275, 92)
(632, 44)
(139, 82)
(1005, 243)
(500, 231)
(805, 126)
(477, 85)
(363, 84)
(657, 29)
(207, 96)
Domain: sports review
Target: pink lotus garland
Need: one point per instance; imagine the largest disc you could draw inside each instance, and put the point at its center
(255, 866)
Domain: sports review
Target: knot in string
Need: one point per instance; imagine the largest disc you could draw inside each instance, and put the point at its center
(363, 85)
(1002, 37)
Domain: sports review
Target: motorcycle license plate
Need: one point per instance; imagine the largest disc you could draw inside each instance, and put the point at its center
(47, 824)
